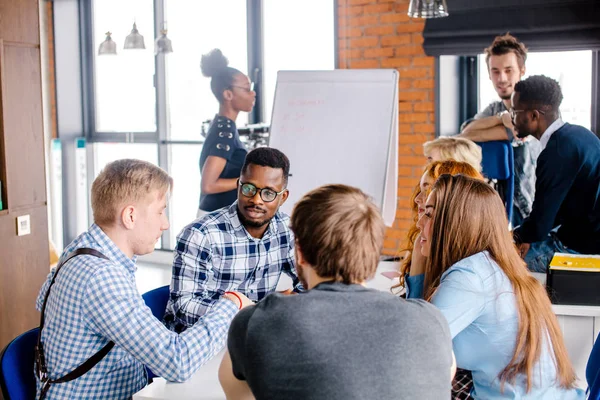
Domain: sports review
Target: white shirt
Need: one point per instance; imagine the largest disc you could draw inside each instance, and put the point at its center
(556, 125)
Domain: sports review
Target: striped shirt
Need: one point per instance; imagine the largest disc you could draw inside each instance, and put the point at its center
(215, 254)
(94, 301)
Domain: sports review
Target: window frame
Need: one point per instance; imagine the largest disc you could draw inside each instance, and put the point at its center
(255, 51)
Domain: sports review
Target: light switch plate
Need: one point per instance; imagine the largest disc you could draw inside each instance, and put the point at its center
(23, 225)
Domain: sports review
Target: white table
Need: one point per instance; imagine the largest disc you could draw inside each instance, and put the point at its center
(580, 326)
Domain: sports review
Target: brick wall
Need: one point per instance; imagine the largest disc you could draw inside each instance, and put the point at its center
(379, 34)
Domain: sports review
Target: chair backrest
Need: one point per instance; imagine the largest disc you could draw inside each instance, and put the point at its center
(157, 300)
(498, 163)
(16, 367)
(592, 371)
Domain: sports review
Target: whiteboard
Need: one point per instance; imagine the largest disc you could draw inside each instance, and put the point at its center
(339, 126)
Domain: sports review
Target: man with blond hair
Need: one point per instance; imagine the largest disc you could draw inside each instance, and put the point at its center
(339, 339)
(92, 312)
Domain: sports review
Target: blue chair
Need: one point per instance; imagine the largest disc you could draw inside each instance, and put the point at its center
(592, 371)
(17, 378)
(157, 300)
(498, 163)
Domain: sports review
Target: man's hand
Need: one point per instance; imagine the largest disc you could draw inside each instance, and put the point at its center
(240, 300)
(523, 249)
(287, 292)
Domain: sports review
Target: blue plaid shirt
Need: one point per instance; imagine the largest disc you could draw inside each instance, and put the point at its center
(216, 254)
(94, 301)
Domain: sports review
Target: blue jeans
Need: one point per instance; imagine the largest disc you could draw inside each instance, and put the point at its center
(540, 253)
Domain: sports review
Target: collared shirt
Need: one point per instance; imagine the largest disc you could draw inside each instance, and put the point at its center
(94, 301)
(556, 125)
(526, 153)
(216, 254)
(479, 303)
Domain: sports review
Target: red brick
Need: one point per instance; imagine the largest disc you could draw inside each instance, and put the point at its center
(379, 9)
(350, 10)
(390, 243)
(360, 64)
(408, 182)
(379, 30)
(404, 84)
(406, 192)
(395, 62)
(406, 151)
(405, 171)
(417, 38)
(410, 27)
(350, 32)
(395, 40)
(414, 160)
(405, 224)
(413, 72)
(401, 7)
(412, 95)
(350, 53)
(364, 42)
(412, 139)
(363, 20)
(413, 117)
(405, 107)
(424, 128)
(394, 18)
(395, 233)
(425, 106)
(423, 61)
(404, 129)
(358, 2)
(403, 213)
(409, 50)
(424, 84)
(376, 53)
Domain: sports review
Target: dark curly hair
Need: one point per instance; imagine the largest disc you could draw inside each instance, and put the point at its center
(215, 65)
(539, 91)
(268, 157)
(505, 44)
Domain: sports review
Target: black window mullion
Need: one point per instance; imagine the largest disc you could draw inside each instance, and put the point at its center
(595, 122)
(469, 89)
(256, 57)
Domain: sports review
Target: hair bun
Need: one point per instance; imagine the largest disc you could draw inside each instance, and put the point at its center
(213, 62)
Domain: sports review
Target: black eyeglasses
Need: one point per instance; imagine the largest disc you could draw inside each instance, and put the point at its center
(513, 113)
(246, 88)
(267, 195)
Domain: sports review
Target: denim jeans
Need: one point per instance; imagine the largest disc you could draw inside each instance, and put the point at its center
(540, 253)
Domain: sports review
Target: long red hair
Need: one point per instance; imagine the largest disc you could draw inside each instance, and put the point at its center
(434, 170)
(469, 218)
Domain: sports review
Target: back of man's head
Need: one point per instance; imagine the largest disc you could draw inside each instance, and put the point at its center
(339, 232)
(540, 92)
(268, 157)
(505, 44)
(124, 182)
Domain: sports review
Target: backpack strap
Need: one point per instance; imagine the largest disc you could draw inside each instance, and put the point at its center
(40, 360)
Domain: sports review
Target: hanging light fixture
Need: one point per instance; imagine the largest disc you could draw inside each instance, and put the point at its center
(427, 9)
(134, 40)
(163, 43)
(109, 46)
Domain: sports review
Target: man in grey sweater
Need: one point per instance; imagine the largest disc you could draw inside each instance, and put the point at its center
(338, 340)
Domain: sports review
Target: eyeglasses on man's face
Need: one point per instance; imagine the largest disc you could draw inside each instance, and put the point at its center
(267, 195)
(246, 88)
(513, 113)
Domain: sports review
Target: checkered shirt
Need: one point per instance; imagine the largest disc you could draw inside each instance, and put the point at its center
(94, 301)
(215, 254)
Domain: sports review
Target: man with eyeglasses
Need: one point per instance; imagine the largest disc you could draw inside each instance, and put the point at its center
(505, 59)
(244, 247)
(566, 210)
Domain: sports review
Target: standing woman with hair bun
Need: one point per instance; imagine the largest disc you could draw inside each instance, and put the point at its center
(223, 152)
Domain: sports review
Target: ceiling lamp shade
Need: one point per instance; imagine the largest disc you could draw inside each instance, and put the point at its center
(108, 46)
(134, 40)
(427, 9)
(163, 43)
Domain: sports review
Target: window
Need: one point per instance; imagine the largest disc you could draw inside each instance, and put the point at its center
(124, 86)
(572, 70)
(155, 106)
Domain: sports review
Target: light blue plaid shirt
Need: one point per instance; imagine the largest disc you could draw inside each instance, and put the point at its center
(215, 254)
(94, 301)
